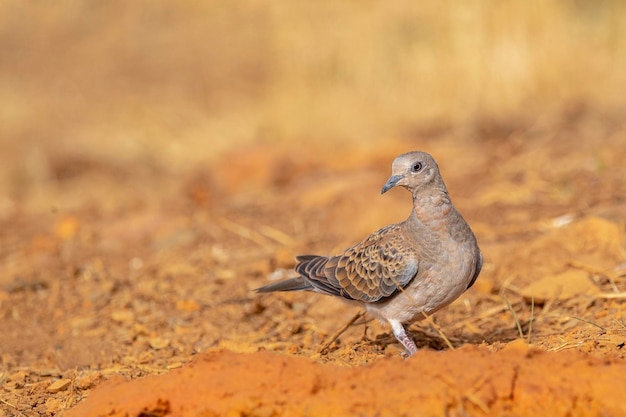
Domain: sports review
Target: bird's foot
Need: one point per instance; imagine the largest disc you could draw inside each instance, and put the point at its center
(404, 337)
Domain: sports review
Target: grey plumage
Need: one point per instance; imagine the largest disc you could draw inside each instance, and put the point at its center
(404, 270)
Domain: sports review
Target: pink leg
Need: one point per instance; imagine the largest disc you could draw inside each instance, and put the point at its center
(404, 337)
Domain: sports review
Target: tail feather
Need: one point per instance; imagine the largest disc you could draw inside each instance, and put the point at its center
(311, 266)
(292, 284)
(312, 278)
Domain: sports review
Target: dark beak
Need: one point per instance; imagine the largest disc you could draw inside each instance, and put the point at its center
(391, 182)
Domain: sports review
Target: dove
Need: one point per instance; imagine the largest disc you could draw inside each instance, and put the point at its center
(405, 271)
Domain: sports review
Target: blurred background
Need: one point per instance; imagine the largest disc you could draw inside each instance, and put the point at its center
(159, 160)
(175, 85)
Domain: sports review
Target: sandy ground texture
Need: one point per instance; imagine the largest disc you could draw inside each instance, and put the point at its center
(159, 161)
(163, 271)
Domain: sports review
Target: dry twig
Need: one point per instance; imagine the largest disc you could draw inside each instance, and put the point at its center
(341, 331)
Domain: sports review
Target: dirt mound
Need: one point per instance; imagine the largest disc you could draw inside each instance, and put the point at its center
(468, 381)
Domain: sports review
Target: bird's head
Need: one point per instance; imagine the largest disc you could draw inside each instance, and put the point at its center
(413, 171)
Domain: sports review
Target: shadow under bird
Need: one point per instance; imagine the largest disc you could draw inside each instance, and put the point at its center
(404, 271)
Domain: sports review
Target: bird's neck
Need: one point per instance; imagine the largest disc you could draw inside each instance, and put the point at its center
(432, 206)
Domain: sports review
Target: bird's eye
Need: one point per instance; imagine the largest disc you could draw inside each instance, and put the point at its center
(417, 167)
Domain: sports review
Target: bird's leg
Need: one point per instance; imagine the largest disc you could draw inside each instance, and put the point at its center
(404, 337)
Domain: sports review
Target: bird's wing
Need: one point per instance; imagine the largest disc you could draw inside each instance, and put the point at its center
(479, 266)
(369, 271)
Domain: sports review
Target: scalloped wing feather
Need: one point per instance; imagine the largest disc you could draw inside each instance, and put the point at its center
(370, 271)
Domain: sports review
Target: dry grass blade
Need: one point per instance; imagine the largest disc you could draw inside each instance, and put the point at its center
(438, 330)
(340, 332)
(620, 323)
(243, 231)
(276, 235)
(474, 399)
(566, 345)
(70, 399)
(612, 296)
(7, 403)
(622, 239)
(531, 320)
(589, 322)
(517, 322)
